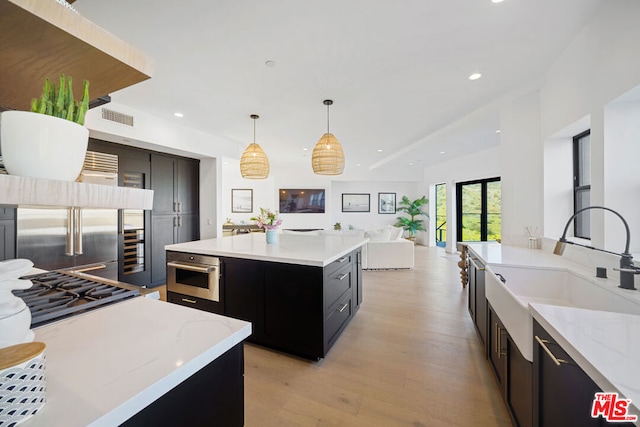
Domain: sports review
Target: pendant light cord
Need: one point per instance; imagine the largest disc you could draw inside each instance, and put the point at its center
(328, 118)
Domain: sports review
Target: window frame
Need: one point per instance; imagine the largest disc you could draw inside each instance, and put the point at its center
(483, 208)
(580, 189)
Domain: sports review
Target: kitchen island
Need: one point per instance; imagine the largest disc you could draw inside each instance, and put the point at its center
(299, 293)
(135, 361)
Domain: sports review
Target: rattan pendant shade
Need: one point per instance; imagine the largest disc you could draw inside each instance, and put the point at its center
(327, 157)
(254, 163)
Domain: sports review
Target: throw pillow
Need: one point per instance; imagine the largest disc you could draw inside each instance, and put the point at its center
(380, 235)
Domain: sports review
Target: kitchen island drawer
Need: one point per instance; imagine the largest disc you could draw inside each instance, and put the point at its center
(339, 263)
(337, 320)
(195, 302)
(336, 285)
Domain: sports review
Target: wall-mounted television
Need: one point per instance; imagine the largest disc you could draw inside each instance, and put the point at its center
(307, 200)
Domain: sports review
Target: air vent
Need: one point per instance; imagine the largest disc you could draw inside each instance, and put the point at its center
(114, 116)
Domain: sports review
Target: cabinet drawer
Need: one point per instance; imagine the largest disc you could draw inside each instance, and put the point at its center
(338, 264)
(194, 302)
(339, 315)
(336, 285)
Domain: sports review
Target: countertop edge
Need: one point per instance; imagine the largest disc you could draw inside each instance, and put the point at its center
(149, 395)
(588, 366)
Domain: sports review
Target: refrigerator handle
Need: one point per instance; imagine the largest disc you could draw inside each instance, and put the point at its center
(78, 230)
(70, 228)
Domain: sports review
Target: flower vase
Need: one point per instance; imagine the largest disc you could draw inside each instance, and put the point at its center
(272, 235)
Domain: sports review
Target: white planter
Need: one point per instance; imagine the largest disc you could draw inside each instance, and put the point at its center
(41, 146)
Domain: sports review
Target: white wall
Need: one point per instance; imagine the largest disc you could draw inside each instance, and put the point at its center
(371, 219)
(265, 194)
(521, 167)
(622, 173)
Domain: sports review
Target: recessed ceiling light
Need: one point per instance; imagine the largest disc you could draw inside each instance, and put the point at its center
(379, 151)
(178, 114)
(498, 131)
(497, 1)
(305, 149)
(442, 152)
(269, 63)
(475, 76)
(358, 164)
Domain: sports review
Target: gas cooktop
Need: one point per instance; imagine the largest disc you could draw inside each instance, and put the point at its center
(57, 295)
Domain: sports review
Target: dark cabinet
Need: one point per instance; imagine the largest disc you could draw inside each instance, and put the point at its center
(512, 371)
(175, 217)
(562, 392)
(244, 293)
(7, 233)
(295, 308)
(477, 300)
(175, 184)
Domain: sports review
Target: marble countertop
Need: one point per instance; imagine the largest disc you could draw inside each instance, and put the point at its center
(102, 367)
(317, 251)
(606, 345)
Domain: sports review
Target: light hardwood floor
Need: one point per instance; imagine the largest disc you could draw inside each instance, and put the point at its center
(409, 357)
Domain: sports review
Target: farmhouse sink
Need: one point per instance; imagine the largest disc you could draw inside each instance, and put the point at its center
(525, 285)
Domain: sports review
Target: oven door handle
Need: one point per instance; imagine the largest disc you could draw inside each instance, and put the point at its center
(192, 267)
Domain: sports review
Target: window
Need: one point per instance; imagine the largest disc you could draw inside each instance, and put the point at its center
(582, 183)
(479, 215)
(441, 215)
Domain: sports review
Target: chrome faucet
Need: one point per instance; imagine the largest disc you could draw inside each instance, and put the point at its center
(627, 268)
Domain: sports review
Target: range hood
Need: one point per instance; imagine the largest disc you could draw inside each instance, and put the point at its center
(24, 191)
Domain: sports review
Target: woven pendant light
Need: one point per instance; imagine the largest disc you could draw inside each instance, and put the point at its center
(254, 163)
(327, 157)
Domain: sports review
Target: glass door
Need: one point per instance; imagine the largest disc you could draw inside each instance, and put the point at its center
(441, 215)
(479, 216)
(133, 242)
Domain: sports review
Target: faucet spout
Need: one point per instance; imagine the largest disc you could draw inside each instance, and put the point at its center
(627, 268)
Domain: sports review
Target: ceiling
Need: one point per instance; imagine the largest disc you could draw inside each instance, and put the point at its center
(397, 71)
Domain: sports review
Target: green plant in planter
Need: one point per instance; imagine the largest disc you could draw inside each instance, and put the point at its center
(59, 102)
(337, 226)
(413, 209)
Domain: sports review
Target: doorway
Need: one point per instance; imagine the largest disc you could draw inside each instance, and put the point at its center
(479, 217)
(441, 215)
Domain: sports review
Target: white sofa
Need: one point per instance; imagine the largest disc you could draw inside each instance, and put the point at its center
(386, 248)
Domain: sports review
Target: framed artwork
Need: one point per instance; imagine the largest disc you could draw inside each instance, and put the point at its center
(386, 203)
(241, 200)
(356, 202)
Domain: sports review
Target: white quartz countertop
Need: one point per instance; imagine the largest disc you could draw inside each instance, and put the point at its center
(317, 251)
(605, 345)
(104, 366)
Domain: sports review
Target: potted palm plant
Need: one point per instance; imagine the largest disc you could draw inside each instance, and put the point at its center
(412, 208)
(50, 141)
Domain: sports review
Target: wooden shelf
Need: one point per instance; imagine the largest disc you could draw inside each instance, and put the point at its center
(43, 39)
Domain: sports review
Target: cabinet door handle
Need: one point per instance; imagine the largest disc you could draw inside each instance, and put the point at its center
(543, 343)
(343, 259)
(341, 309)
(189, 300)
(472, 261)
(179, 220)
(499, 332)
(175, 206)
(343, 276)
(179, 206)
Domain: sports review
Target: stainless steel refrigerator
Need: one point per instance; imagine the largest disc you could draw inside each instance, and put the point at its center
(55, 238)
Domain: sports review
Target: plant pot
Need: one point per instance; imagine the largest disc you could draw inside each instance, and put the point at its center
(272, 236)
(40, 146)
